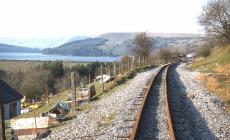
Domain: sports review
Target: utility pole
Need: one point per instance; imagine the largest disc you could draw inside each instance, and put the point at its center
(73, 86)
(102, 79)
(2, 125)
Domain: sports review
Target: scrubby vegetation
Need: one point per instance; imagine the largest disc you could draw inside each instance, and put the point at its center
(216, 69)
(30, 79)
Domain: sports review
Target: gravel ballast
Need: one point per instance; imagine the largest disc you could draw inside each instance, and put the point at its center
(153, 122)
(209, 106)
(108, 117)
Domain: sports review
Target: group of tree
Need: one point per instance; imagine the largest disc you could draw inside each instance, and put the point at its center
(145, 48)
(32, 83)
(215, 19)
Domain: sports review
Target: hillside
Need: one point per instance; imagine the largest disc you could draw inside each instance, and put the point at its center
(38, 42)
(85, 47)
(216, 72)
(120, 44)
(18, 49)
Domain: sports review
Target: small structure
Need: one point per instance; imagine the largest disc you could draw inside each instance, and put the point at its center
(190, 56)
(106, 78)
(29, 128)
(11, 101)
(59, 110)
(87, 93)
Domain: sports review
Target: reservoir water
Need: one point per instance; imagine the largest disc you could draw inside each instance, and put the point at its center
(42, 57)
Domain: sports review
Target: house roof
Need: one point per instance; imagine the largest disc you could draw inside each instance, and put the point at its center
(8, 94)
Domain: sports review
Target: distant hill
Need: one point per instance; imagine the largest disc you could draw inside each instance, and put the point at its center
(39, 42)
(85, 47)
(18, 49)
(119, 44)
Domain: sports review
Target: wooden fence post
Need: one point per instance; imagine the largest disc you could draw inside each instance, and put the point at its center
(114, 71)
(102, 79)
(35, 121)
(128, 67)
(73, 86)
(139, 61)
(2, 125)
(89, 84)
(122, 69)
(132, 63)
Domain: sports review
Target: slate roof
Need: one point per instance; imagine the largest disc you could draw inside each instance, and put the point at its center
(8, 94)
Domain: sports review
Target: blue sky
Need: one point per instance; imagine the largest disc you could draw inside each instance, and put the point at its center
(61, 18)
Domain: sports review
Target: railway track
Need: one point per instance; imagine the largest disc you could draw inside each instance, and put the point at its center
(153, 120)
(167, 112)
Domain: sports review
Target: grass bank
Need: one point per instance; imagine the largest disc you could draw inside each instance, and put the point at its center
(215, 71)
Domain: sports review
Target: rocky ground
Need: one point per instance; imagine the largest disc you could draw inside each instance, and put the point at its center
(110, 117)
(153, 122)
(208, 106)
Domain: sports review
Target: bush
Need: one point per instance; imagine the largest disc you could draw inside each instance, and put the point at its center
(121, 80)
(203, 51)
(131, 74)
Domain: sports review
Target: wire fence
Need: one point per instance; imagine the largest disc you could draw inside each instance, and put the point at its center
(118, 72)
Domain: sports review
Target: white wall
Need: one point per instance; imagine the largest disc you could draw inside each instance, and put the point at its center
(7, 109)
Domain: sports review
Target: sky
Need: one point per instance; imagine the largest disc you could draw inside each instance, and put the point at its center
(61, 18)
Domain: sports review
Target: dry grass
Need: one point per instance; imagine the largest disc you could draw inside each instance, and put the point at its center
(219, 85)
(225, 69)
(216, 73)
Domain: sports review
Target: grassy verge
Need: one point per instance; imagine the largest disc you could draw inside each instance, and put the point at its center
(216, 72)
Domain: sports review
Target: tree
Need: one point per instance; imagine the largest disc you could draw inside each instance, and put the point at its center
(165, 54)
(215, 18)
(143, 44)
(204, 50)
(34, 82)
(56, 68)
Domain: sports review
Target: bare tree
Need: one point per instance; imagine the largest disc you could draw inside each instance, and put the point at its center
(215, 18)
(165, 54)
(143, 43)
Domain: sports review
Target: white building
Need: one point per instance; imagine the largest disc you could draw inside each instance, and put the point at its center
(11, 101)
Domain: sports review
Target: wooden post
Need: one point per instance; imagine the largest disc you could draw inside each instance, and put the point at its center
(2, 125)
(114, 71)
(132, 63)
(35, 121)
(106, 68)
(73, 86)
(128, 65)
(102, 83)
(122, 70)
(89, 84)
(47, 96)
(139, 61)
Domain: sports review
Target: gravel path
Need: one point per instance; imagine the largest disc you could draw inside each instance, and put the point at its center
(111, 117)
(205, 115)
(153, 122)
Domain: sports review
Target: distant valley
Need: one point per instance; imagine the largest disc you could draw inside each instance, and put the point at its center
(109, 44)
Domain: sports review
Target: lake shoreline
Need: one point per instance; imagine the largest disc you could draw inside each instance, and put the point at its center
(39, 57)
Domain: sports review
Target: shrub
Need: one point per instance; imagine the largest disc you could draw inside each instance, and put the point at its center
(203, 51)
